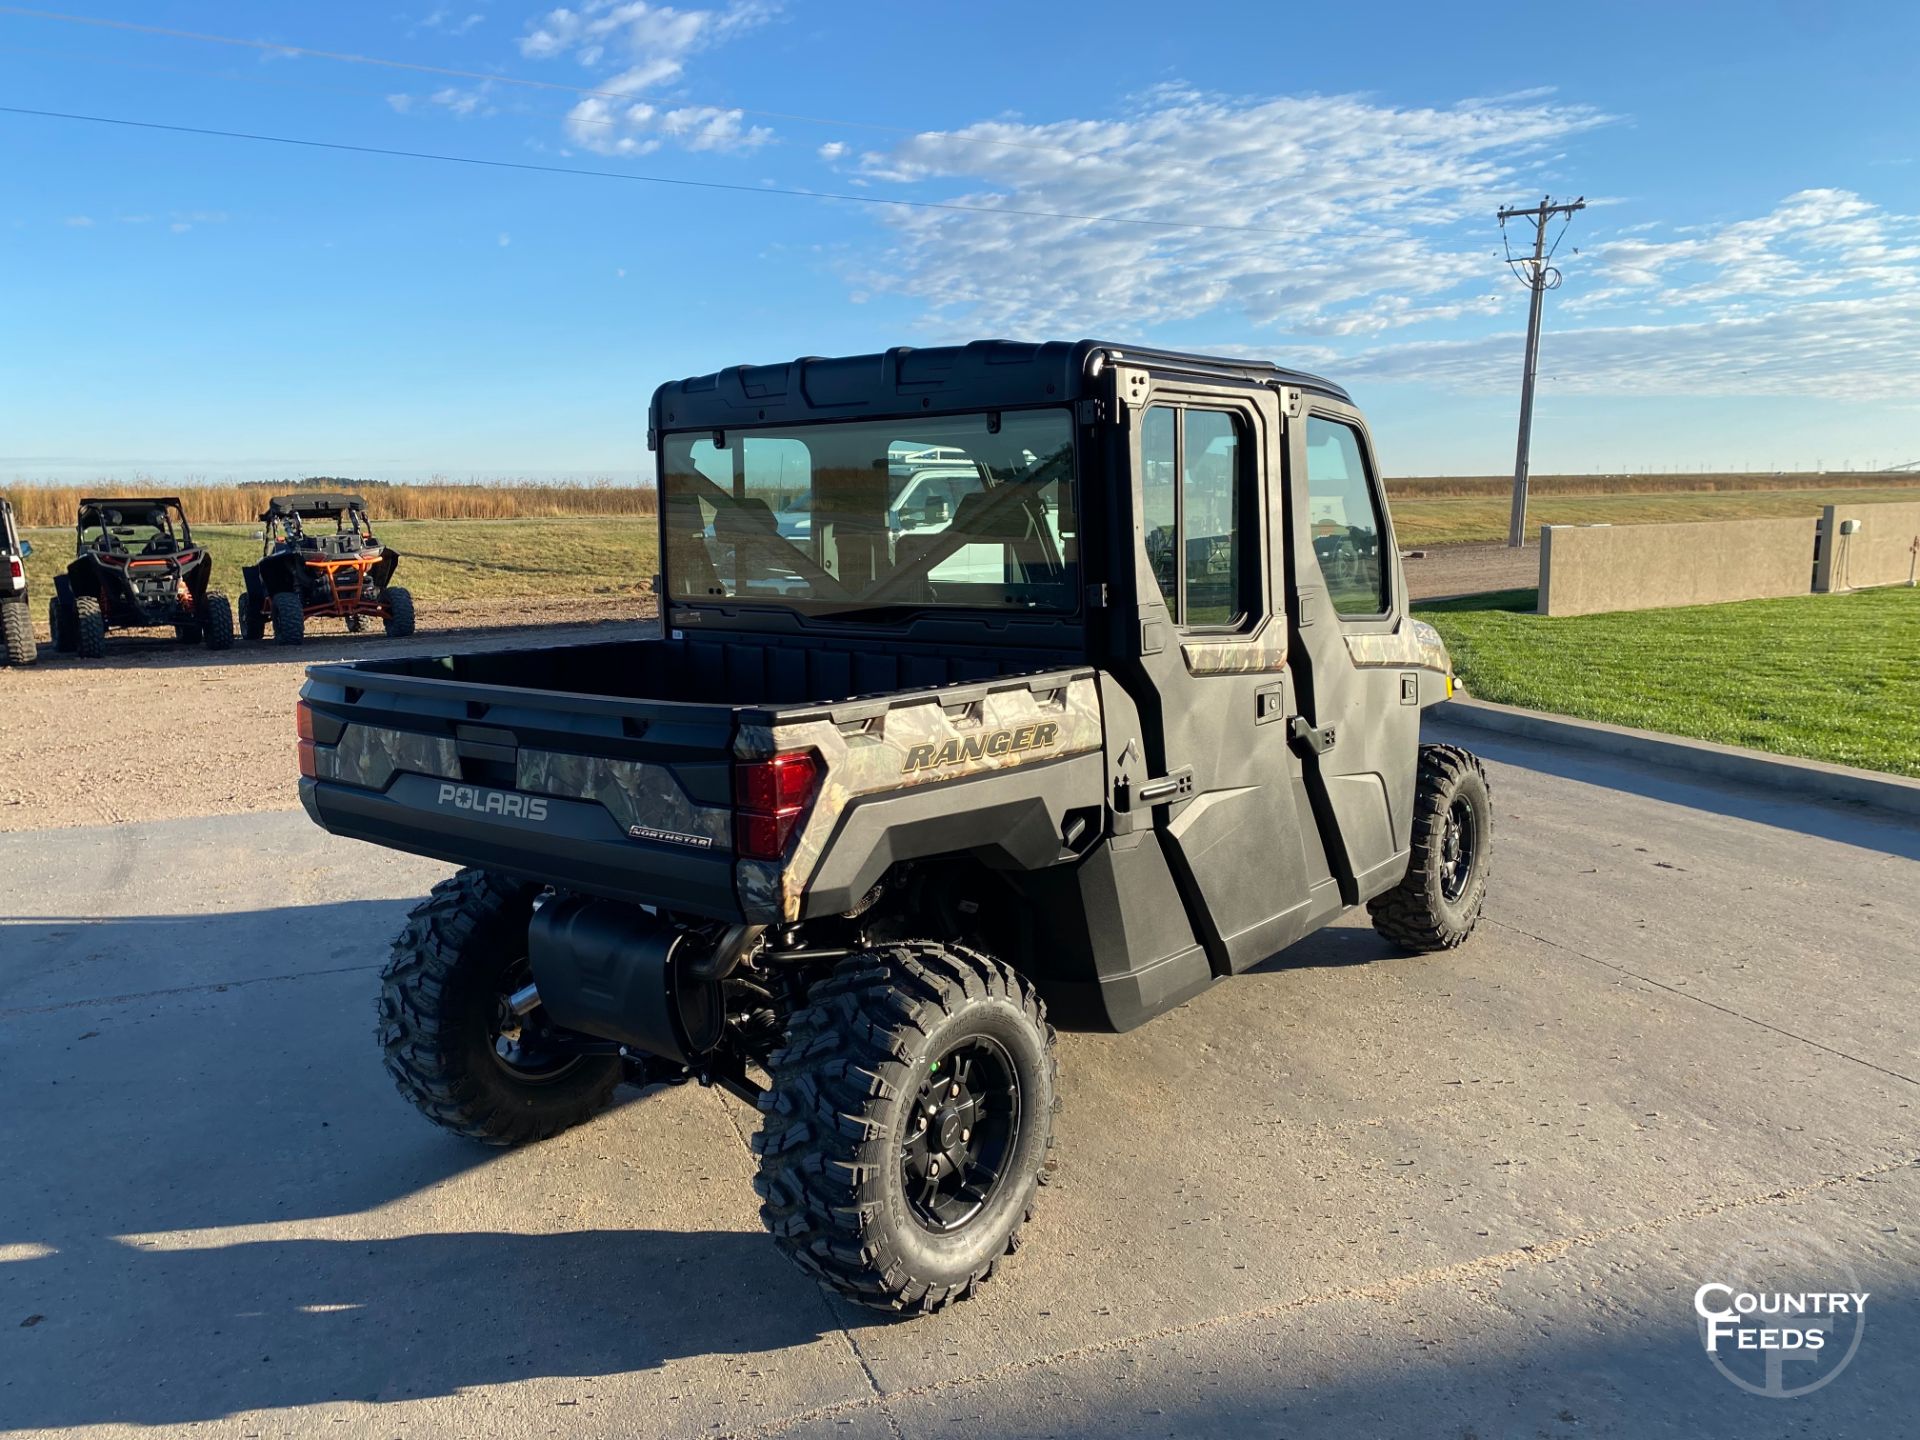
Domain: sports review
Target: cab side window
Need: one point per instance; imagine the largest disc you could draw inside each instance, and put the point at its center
(1193, 482)
(1344, 515)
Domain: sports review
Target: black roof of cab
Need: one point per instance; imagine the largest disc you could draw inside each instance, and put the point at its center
(125, 502)
(310, 506)
(980, 375)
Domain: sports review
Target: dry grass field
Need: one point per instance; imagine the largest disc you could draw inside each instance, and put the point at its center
(38, 505)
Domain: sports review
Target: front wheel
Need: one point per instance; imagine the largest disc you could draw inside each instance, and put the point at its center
(1437, 904)
(453, 1044)
(907, 1125)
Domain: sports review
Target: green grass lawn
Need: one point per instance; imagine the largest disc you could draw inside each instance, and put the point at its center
(1442, 521)
(446, 559)
(1827, 677)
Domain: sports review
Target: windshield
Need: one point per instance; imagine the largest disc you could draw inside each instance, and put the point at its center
(960, 510)
(146, 528)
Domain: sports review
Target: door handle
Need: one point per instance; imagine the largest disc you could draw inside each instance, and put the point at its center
(1167, 790)
(1319, 739)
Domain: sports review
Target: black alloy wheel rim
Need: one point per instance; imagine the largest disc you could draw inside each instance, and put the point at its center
(1459, 848)
(961, 1132)
(520, 1044)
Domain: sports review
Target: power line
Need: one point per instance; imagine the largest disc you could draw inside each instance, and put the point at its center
(278, 81)
(891, 201)
(454, 73)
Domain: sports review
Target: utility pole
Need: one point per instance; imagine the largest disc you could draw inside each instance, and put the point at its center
(1539, 277)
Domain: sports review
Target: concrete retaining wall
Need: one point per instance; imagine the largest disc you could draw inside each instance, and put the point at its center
(1587, 569)
(1879, 552)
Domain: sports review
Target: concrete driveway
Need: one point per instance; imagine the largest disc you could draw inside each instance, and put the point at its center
(1350, 1195)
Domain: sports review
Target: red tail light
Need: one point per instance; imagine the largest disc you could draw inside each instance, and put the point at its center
(15, 570)
(772, 797)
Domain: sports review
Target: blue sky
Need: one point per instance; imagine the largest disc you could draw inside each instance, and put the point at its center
(1746, 292)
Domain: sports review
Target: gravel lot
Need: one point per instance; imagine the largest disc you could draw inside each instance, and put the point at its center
(1470, 569)
(158, 730)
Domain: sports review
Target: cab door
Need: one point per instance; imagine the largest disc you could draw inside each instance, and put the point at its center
(1360, 688)
(1204, 656)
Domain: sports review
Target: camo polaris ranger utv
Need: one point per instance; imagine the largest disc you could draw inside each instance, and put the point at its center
(17, 645)
(136, 566)
(901, 787)
(309, 572)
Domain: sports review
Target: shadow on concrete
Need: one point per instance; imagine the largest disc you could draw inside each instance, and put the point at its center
(149, 1336)
(1418, 1375)
(1848, 824)
(1332, 948)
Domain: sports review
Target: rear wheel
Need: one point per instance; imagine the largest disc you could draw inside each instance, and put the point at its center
(16, 629)
(1437, 904)
(289, 619)
(399, 621)
(454, 1045)
(63, 625)
(217, 621)
(907, 1125)
(253, 617)
(89, 627)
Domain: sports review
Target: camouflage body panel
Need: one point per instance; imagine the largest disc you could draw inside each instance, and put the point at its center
(1261, 653)
(646, 800)
(371, 755)
(1414, 643)
(919, 743)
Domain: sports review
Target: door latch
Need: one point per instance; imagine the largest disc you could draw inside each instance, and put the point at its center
(1167, 790)
(1317, 738)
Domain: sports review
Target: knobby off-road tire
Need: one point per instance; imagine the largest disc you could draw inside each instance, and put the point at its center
(441, 996)
(253, 620)
(289, 619)
(89, 627)
(216, 626)
(16, 629)
(1437, 904)
(849, 1102)
(399, 619)
(62, 625)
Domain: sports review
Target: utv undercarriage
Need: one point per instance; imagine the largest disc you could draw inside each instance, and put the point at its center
(1023, 699)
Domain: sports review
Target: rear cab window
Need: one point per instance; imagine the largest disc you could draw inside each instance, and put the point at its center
(1195, 491)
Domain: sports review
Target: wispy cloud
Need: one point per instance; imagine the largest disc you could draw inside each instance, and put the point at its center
(636, 49)
(461, 102)
(1346, 216)
(80, 222)
(1360, 238)
(448, 20)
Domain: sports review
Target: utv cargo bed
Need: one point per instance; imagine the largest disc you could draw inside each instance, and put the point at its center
(561, 766)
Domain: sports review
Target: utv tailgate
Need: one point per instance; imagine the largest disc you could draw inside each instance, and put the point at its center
(628, 798)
